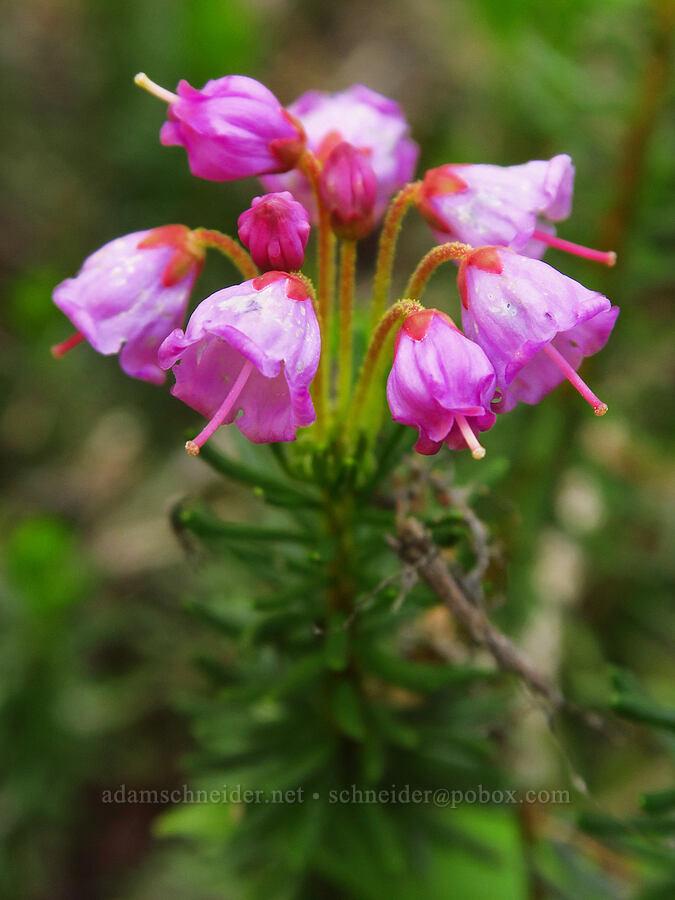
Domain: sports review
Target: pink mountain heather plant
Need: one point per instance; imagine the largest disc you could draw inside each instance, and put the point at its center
(362, 117)
(130, 294)
(535, 324)
(440, 383)
(255, 348)
(352, 598)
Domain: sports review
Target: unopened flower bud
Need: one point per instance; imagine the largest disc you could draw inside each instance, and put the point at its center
(275, 229)
(367, 120)
(348, 189)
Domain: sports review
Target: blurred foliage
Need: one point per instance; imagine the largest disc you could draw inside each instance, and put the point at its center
(101, 662)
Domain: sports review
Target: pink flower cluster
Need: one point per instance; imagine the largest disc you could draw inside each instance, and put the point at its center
(527, 328)
(252, 348)
(249, 353)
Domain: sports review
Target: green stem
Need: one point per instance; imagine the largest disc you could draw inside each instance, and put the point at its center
(309, 165)
(429, 263)
(340, 575)
(207, 237)
(204, 524)
(387, 248)
(347, 277)
(389, 320)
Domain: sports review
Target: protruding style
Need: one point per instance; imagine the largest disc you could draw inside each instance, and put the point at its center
(440, 383)
(248, 355)
(485, 204)
(535, 324)
(231, 128)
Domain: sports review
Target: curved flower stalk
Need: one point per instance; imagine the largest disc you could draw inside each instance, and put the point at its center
(130, 294)
(440, 383)
(252, 348)
(534, 324)
(370, 122)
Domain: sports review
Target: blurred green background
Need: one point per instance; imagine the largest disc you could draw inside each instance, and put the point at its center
(95, 647)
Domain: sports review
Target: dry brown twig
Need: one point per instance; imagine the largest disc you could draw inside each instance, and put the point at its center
(471, 581)
(415, 547)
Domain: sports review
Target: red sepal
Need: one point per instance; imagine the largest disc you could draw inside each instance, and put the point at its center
(485, 258)
(436, 183)
(295, 287)
(187, 256)
(289, 150)
(446, 318)
(166, 236)
(417, 324)
(328, 143)
(261, 281)
(180, 265)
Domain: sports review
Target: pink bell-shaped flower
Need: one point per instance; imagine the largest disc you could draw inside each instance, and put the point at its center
(231, 128)
(535, 324)
(252, 349)
(367, 120)
(510, 206)
(275, 229)
(348, 188)
(130, 294)
(440, 383)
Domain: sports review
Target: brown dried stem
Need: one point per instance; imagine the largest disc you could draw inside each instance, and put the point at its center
(415, 547)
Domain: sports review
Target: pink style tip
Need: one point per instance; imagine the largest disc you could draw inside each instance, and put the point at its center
(222, 412)
(59, 350)
(608, 258)
(599, 408)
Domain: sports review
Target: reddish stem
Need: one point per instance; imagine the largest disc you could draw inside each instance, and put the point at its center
(387, 247)
(393, 317)
(429, 263)
(207, 237)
